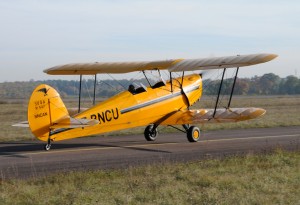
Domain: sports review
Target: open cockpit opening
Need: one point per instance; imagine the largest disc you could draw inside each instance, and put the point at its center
(136, 89)
(157, 81)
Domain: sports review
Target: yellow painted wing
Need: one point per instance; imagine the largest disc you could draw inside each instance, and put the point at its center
(206, 116)
(170, 65)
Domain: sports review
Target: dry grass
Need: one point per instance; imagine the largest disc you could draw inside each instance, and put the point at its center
(258, 179)
(11, 113)
(281, 111)
(253, 179)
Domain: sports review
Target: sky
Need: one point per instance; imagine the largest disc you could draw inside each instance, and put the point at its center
(38, 34)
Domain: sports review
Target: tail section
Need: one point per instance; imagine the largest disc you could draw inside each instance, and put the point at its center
(44, 109)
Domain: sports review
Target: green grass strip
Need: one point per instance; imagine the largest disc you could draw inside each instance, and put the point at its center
(253, 179)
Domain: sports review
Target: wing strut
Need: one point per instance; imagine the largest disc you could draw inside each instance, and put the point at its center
(171, 82)
(183, 93)
(79, 99)
(236, 73)
(95, 83)
(224, 70)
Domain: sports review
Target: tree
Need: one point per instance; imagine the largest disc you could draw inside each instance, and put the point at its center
(291, 84)
(269, 83)
(241, 87)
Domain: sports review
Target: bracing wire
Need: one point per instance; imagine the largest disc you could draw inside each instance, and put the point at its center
(225, 91)
(88, 90)
(57, 107)
(100, 82)
(116, 81)
(215, 75)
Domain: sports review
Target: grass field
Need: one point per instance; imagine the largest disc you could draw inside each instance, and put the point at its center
(253, 179)
(272, 178)
(281, 111)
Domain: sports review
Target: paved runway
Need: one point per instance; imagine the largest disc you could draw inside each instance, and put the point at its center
(28, 159)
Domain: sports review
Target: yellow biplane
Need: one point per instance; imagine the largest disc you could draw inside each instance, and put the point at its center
(163, 103)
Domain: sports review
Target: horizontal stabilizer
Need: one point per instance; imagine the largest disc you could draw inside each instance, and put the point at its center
(73, 123)
(21, 124)
(209, 116)
(65, 123)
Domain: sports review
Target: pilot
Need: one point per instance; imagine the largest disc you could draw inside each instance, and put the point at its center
(131, 89)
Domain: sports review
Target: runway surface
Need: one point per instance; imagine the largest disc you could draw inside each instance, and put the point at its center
(28, 159)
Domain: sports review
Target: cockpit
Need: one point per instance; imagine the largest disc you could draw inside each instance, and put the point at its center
(136, 89)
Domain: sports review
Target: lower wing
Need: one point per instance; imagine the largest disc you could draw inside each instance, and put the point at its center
(212, 116)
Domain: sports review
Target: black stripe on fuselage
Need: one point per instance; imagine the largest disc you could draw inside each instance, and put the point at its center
(151, 102)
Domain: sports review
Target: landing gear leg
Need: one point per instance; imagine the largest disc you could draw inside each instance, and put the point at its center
(186, 127)
(150, 132)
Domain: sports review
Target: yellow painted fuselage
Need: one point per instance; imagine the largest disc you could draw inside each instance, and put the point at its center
(128, 110)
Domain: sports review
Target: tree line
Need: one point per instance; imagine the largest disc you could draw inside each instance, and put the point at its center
(268, 84)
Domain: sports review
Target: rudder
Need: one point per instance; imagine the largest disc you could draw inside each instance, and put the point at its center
(45, 107)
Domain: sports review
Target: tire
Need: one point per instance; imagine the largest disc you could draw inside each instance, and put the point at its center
(193, 134)
(150, 134)
(47, 147)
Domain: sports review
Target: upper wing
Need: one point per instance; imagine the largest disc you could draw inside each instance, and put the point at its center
(109, 67)
(171, 65)
(221, 62)
(206, 116)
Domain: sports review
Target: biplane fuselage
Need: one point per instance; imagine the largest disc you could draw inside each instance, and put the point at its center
(128, 110)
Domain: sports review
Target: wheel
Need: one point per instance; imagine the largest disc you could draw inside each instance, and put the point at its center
(150, 133)
(47, 147)
(193, 134)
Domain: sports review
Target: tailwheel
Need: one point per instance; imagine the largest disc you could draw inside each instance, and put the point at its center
(150, 133)
(193, 134)
(48, 145)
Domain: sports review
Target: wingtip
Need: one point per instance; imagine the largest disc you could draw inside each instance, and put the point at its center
(270, 57)
(258, 113)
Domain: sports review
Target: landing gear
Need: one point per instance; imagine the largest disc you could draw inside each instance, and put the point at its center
(193, 134)
(48, 145)
(150, 132)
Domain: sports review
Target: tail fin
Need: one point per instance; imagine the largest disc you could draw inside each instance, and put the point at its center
(45, 107)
